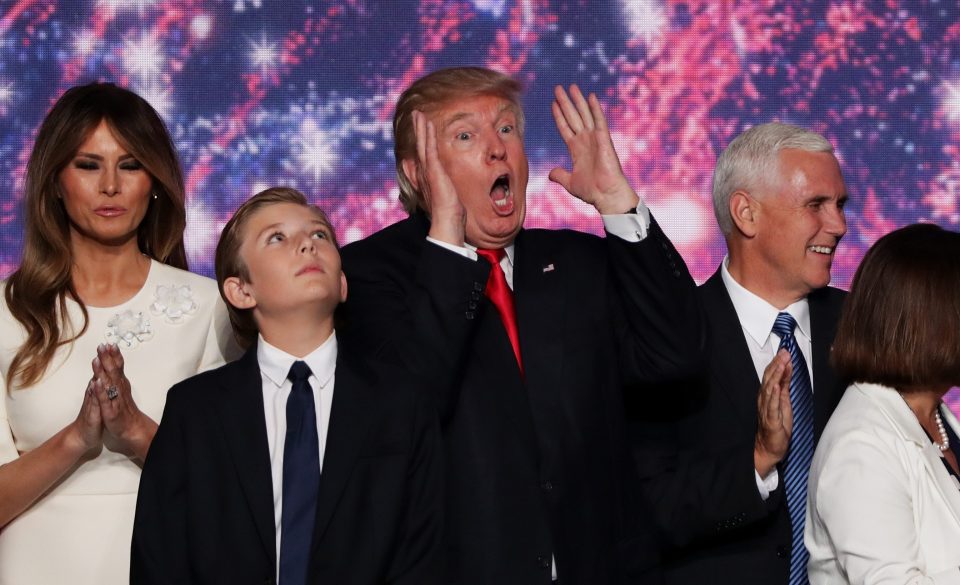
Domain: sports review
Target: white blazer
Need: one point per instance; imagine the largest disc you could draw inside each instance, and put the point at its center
(881, 507)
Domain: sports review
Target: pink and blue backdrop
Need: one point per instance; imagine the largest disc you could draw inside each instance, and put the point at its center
(269, 92)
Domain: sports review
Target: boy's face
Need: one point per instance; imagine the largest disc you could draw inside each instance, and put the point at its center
(292, 262)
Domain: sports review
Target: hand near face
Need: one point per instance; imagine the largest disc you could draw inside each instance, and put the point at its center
(597, 177)
(774, 414)
(129, 431)
(448, 216)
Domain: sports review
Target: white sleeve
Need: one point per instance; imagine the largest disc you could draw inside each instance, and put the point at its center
(632, 227)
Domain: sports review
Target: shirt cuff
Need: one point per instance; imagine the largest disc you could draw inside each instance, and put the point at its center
(767, 484)
(465, 252)
(632, 227)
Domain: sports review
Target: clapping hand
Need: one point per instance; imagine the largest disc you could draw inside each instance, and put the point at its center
(597, 177)
(129, 430)
(774, 414)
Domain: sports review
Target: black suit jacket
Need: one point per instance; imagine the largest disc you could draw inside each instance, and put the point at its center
(205, 507)
(536, 466)
(698, 466)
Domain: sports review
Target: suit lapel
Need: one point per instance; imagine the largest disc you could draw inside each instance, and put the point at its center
(905, 423)
(349, 423)
(731, 363)
(823, 327)
(241, 413)
(539, 298)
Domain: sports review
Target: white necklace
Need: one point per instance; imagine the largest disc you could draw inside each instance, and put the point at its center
(944, 437)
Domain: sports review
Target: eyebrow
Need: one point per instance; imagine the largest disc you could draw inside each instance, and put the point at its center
(98, 157)
(463, 115)
(279, 224)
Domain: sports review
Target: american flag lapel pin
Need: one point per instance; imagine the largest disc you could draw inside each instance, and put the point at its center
(548, 267)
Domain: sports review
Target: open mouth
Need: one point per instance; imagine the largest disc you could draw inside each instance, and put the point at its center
(501, 196)
(821, 249)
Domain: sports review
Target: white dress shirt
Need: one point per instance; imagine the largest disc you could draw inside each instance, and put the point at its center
(757, 317)
(274, 367)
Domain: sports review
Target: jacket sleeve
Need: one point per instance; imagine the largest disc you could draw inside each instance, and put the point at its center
(421, 321)
(160, 541)
(658, 319)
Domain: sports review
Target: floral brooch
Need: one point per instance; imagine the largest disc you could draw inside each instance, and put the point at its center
(129, 329)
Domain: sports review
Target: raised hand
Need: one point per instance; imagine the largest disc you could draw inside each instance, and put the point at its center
(447, 215)
(597, 176)
(130, 430)
(774, 414)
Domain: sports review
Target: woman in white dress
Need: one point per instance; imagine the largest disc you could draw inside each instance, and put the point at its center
(883, 504)
(99, 320)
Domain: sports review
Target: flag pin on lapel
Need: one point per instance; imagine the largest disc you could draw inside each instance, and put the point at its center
(548, 267)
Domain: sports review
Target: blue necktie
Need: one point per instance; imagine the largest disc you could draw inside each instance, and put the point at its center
(301, 479)
(800, 451)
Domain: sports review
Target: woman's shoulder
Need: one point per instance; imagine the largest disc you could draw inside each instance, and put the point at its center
(171, 276)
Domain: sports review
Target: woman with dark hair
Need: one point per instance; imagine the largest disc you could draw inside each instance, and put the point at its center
(101, 294)
(883, 504)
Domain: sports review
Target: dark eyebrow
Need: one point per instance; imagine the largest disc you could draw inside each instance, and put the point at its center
(98, 157)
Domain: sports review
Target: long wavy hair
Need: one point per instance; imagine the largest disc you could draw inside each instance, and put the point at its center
(37, 291)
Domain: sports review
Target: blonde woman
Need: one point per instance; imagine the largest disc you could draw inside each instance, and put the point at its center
(100, 319)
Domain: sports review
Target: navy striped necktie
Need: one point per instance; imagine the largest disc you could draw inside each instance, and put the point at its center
(301, 478)
(800, 451)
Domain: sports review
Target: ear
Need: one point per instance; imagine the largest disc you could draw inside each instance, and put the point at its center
(237, 293)
(744, 212)
(410, 169)
(343, 287)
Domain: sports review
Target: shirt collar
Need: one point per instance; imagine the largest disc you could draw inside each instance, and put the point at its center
(508, 250)
(275, 363)
(757, 315)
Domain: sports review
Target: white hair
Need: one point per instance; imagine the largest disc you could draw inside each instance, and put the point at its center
(753, 157)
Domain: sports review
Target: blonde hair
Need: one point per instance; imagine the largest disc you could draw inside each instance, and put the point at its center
(433, 91)
(36, 291)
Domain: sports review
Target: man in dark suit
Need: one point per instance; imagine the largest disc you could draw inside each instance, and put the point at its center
(328, 474)
(530, 334)
(728, 504)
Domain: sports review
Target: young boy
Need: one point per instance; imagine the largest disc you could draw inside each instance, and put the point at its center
(295, 464)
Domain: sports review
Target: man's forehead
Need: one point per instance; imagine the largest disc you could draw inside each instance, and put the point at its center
(473, 107)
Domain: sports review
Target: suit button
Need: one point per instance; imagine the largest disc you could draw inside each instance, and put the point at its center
(478, 287)
(469, 315)
(472, 305)
(783, 552)
(546, 486)
(543, 562)
(475, 296)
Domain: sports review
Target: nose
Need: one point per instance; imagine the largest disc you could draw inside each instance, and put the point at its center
(836, 222)
(307, 244)
(109, 182)
(496, 149)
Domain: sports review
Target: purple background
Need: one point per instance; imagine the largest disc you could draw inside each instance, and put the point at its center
(260, 93)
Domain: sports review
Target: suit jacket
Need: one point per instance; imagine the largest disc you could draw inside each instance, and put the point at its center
(536, 466)
(696, 459)
(205, 511)
(881, 507)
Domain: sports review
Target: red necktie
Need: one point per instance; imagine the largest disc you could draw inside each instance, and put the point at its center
(501, 296)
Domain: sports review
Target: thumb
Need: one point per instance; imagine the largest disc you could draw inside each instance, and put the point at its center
(561, 176)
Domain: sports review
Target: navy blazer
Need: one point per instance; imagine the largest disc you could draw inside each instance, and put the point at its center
(205, 510)
(694, 452)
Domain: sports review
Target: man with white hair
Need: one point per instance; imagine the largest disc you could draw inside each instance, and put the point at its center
(736, 501)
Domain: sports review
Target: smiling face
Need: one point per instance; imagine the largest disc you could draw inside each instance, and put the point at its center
(292, 262)
(481, 148)
(105, 190)
(799, 221)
